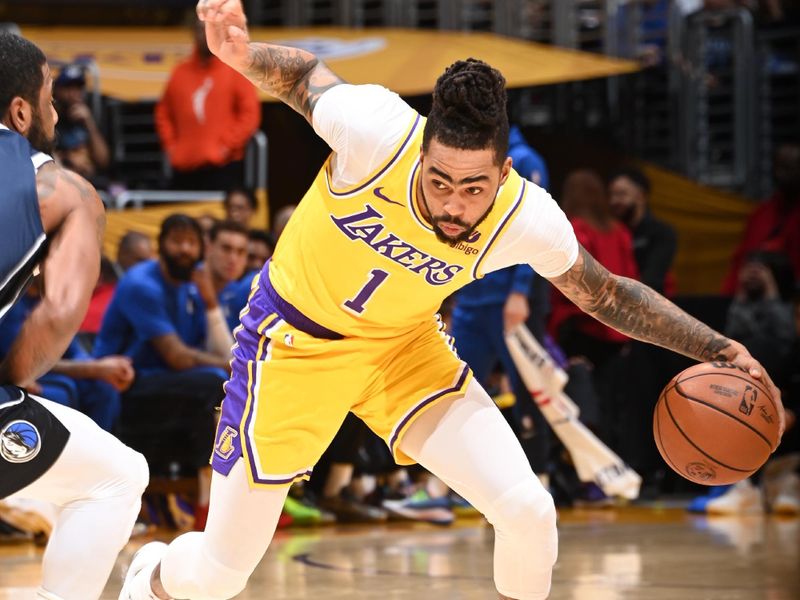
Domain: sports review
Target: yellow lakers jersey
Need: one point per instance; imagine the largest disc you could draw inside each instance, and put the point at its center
(364, 262)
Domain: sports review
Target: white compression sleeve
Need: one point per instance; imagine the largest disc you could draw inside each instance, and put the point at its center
(469, 445)
(215, 564)
(97, 483)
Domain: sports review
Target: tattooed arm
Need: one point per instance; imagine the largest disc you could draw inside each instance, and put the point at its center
(74, 220)
(638, 311)
(295, 76)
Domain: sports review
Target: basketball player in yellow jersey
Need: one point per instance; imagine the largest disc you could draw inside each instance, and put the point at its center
(343, 317)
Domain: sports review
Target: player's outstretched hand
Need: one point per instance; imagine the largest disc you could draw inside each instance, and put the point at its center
(743, 359)
(226, 31)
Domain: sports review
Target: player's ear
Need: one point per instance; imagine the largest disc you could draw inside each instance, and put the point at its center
(505, 170)
(20, 115)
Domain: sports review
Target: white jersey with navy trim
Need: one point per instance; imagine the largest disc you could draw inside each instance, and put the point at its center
(22, 237)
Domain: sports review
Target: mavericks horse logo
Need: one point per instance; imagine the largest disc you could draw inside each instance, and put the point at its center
(20, 442)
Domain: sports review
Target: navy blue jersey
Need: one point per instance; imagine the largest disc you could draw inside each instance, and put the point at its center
(22, 237)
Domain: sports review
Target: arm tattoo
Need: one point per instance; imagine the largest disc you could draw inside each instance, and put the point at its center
(295, 76)
(638, 311)
(47, 184)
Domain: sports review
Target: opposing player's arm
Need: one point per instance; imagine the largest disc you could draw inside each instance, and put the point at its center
(638, 311)
(295, 76)
(74, 218)
(180, 357)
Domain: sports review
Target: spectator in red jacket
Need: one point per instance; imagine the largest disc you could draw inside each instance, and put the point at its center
(205, 118)
(775, 225)
(585, 203)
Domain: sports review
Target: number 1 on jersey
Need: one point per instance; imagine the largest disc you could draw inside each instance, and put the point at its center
(376, 277)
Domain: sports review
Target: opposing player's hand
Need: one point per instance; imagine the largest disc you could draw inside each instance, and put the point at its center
(515, 311)
(226, 31)
(743, 359)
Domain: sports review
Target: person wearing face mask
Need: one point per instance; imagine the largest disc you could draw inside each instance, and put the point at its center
(169, 326)
(654, 241)
(775, 224)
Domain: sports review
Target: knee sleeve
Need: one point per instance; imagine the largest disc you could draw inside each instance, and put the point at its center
(526, 541)
(189, 571)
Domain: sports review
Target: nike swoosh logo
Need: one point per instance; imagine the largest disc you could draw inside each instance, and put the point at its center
(377, 192)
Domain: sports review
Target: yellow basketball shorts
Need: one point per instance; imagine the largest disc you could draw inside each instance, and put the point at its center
(290, 390)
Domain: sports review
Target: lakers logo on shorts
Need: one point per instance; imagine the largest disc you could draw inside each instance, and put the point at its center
(224, 447)
(20, 442)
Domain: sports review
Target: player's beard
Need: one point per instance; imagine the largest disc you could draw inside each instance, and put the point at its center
(436, 220)
(37, 136)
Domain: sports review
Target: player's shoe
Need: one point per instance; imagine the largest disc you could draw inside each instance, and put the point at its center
(31, 516)
(787, 499)
(305, 515)
(145, 559)
(743, 498)
(700, 504)
(421, 507)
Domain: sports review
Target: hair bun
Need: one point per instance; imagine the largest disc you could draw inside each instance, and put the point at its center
(471, 91)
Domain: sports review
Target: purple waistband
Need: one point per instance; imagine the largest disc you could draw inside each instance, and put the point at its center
(290, 314)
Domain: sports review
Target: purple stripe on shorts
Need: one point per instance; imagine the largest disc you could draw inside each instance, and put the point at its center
(292, 315)
(426, 402)
(384, 169)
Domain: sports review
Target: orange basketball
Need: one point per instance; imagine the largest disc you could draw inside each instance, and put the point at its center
(714, 424)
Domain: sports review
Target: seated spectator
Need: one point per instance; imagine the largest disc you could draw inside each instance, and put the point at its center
(259, 250)
(88, 385)
(206, 222)
(281, 220)
(775, 223)
(134, 247)
(586, 205)
(80, 145)
(179, 345)
(206, 146)
(654, 241)
(225, 264)
(240, 205)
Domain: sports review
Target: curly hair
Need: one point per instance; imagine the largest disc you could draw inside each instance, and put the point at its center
(20, 70)
(469, 109)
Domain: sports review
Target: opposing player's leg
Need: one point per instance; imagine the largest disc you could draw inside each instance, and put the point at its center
(97, 483)
(214, 564)
(470, 446)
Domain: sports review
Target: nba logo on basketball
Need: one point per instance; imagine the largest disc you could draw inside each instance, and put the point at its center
(748, 400)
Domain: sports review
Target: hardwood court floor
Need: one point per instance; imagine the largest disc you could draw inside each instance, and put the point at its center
(632, 553)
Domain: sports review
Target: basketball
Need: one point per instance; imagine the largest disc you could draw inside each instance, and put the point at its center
(714, 424)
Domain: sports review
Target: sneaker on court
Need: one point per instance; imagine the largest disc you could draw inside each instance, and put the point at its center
(421, 507)
(349, 510)
(29, 516)
(145, 558)
(699, 504)
(743, 498)
(787, 500)
(306, 515)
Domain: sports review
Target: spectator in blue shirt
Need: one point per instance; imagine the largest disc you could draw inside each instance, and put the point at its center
(487, 307)
(226, 264)
(170, 329)
(91, 386)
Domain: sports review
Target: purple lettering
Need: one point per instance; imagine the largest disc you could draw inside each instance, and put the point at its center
(344, 222)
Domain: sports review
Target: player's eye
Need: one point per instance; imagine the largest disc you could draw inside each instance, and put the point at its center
(474, 191)
(439, 185)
